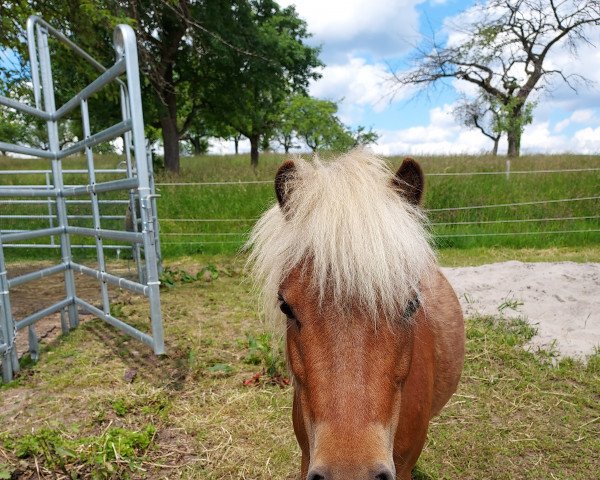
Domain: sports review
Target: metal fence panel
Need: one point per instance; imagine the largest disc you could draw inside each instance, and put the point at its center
(139, 183)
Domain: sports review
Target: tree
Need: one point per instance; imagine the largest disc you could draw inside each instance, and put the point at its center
(483, 114)
(89, 27)
(12, 128)
(504, 52)
(247, 92)
(362, 136)
(315, 122)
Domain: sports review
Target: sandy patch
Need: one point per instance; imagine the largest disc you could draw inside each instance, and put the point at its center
(561, 299)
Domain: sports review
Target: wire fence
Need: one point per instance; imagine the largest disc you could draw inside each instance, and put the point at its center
(561, 215)
(446, 223)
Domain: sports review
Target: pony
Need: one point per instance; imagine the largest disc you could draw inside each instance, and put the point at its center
(374, 332)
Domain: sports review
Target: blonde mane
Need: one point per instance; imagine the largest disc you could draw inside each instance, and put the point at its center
(367, 245)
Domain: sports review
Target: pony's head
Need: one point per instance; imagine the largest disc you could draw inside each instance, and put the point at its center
(343, 255)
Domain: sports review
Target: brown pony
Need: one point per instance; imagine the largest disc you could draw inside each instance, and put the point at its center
(375, 334)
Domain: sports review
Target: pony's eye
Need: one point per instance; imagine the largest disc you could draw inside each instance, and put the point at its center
(287, 310)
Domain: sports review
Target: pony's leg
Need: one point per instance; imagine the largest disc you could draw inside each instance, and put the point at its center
(407, 462)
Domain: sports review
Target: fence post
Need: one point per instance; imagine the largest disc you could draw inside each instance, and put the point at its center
(10, 363)
(50, 209)
(507, 169)
(53, 142)
(126, 47)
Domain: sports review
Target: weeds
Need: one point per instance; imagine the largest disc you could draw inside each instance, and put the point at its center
(263, 351)
(173, 276)
(115, 453)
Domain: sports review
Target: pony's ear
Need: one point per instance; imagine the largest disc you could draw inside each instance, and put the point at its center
(282, 187)
(410, 181)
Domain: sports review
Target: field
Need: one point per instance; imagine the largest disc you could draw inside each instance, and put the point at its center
(217, 406)
(212, 219)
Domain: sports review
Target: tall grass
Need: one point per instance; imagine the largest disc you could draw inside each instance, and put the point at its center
(216, 218)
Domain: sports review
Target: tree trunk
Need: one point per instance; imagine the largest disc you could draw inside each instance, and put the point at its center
(254, 141)
(168, 122)
(197, 145)
(236, 142)
(514, 144)
(170, 143)
(495, 149)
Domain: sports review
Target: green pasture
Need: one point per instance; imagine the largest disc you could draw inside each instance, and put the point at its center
(211, 219)
(99, 405)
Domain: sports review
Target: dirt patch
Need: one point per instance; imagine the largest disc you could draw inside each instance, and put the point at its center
(33, 296)
(562, 300)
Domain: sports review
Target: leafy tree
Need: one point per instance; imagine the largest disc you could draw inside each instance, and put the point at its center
(504, 52)
(315, 122)
(12, 128)
(362, 136)
(231, 61)
(247, 92)
(88, 26)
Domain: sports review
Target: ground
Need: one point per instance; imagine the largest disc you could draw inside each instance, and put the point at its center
(100, 405)
(561, 300)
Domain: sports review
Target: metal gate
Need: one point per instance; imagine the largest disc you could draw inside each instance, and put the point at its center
(138, 182)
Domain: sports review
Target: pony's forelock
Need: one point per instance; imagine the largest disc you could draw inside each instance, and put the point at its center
(366, 245)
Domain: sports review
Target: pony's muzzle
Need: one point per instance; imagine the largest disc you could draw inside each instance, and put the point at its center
(378, 472)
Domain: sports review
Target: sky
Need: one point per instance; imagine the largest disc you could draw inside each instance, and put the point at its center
(363, 40)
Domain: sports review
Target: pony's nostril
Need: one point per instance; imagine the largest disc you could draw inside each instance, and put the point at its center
(317, 474)
(384, 474)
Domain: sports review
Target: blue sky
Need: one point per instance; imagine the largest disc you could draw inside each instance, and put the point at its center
(362, 39)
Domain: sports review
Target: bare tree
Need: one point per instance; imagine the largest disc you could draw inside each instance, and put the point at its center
(482, 114)
(502, 47)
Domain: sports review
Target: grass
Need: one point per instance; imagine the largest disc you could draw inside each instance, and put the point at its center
(221, 215)
(209, 410)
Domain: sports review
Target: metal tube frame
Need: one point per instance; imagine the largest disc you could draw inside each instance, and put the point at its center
(139, 182)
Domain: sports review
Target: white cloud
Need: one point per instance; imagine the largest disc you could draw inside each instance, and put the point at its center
(578, 116)
(380, 27)
(587, 140)
(357, 86)
(444, 136)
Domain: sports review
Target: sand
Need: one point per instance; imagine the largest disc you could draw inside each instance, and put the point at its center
(562, 300)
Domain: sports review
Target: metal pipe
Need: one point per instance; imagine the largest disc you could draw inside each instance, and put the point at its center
(47, 245)
(57, 176)
(126, 47)
(107, 77)
(22, 107)
(10, 363)
(121, 184)
(50, 217)
(29, 234)
(106, 134)
(115, 322)
(27, 192)
(34, 20)
(39, 172)
(132, 210)
(29, 277)
(44, 312)
(132, 237)
(95, 207)
(112, 279)
(34, 152)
